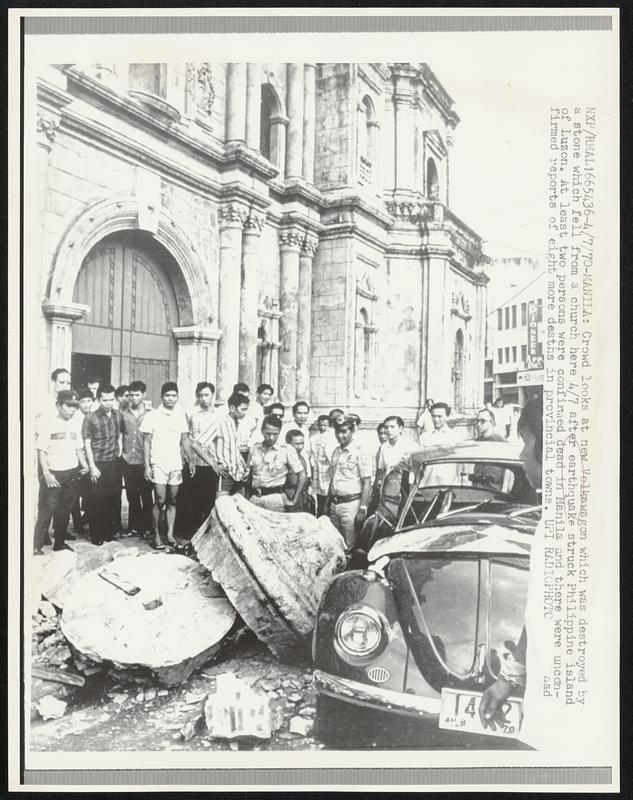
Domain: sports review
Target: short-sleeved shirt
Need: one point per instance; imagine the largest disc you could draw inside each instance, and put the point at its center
(220, 438)
(166, 427)
(61, 439)
(320, 462)
(199, 421)
(390, 455)
(103, 429)
(132, 436)
(270, 466)
(349, 465)
(425, 421)
(444, 435)
(305, 430)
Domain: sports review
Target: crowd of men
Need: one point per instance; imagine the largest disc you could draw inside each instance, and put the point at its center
(173, 462)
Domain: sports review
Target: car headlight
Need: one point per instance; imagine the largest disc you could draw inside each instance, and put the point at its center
(359, 631)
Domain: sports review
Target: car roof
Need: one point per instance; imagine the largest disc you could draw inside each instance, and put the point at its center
(478, 535)
(470, 450)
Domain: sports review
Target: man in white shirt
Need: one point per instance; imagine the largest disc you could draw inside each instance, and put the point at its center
(165, 445)
(442, 433)
(391, 452)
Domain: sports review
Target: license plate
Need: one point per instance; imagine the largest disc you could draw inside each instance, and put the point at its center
(459, 711)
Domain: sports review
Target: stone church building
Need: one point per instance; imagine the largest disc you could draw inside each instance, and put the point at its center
(279, 223)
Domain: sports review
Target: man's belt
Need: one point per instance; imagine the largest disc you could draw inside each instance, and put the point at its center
(262, 491)
(344, 498)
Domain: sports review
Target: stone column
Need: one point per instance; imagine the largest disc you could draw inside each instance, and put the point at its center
(403, 76)
(61, 318)
(232, 216)
(249, 320)
(197, 358)
(309, 120)
(235, 103)
(294, 101)
(253, 105)
(291, 240)
(304, 317)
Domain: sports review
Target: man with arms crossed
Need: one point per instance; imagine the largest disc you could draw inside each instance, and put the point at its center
(137, 488)
(165, 445)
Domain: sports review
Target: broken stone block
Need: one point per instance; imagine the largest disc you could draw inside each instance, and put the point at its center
(150, 694)
(60, 655)
(272, 566)
(48, 609)
(195, 697)
(192, 727)
(307, 711)
(105, 623)
(50, 707)
(236, 710)
(295, 697)
(301, 726)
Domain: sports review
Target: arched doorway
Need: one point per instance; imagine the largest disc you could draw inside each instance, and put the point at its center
(127, 335)
(458, 371)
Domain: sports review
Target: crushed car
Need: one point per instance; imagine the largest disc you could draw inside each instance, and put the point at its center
(419, 632)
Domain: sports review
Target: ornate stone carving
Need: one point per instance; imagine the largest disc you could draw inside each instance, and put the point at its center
(460, 306)
(254, 222)
(310, 244)
(206, 90)
(234, 214)
(47, 126)
(410, 209)
(291, 237)
(191, 78)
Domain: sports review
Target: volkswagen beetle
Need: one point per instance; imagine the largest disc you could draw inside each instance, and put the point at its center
(420, 632)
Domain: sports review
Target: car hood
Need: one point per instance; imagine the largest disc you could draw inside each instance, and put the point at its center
(477, 537)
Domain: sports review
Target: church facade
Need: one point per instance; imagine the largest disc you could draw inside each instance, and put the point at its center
(278, 223)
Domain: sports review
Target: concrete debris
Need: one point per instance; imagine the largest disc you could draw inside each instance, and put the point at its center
(150, 694)
(269, 685)
(50, 707)
(272, 566)
(301, 726)
(163, 693)
(192, 727)
(48, 609)
(295, 697)
(235, 710)
(192, 697)
(307, 711)
(60, 655)
(106, 624)
(234, 746)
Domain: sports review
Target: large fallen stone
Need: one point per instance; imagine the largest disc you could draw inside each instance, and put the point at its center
(273, 567)
(109, 622)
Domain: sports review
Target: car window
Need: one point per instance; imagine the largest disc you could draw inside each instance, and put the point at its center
(480, 475)
(508, 588)
(448, 593)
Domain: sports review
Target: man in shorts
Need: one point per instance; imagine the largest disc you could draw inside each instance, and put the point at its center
(165, 446)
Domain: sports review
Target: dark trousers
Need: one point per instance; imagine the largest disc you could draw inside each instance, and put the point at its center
(55, 504)
(320, 504)
(139, 497)
(81, 502)
(105, 497)
(204, 486)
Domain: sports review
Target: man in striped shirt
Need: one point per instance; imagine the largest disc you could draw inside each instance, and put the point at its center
(218, 446)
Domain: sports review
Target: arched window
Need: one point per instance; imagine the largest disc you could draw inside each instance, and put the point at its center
(272, 131)
(366, 140)
(458, 371)
(364, 348)
(432, 181)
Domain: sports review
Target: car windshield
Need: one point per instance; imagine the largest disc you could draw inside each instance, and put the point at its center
(451, 486)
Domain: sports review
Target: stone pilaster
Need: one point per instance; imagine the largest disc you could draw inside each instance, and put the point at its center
(236, 103)
(232, 217)
(253, 105)
(294, 145)
(249, 293)
(197, 358)
(309, 120)
(61, 318)
(304, 321)
(403, 76)
(291, 240)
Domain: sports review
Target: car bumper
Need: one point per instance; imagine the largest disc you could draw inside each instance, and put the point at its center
(363, 694)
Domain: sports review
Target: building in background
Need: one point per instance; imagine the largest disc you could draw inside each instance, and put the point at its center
(515, 331)
(280, 223)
